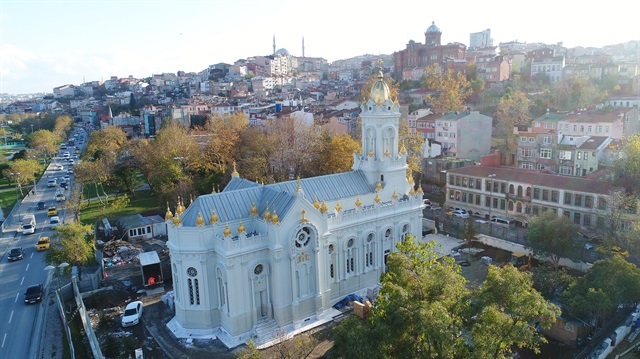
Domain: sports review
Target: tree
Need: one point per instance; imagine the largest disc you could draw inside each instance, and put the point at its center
(452, 88)
(469, 230)
(608, 284)
(62, 125)
(627, 167)
(621, 225)
(574, 93)
(23, 172)
(109, 142)
(337, 155)
(513, 109)
(425, 310)
(224, 132)
(412, 143)
(75, 245)
(551, 236)
(44, 142)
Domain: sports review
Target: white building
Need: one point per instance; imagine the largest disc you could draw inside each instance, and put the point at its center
(282, 254)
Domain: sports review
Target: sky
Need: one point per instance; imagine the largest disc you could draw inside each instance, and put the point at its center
(49, 43)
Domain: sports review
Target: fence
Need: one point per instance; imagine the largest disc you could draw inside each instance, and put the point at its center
(86, 322)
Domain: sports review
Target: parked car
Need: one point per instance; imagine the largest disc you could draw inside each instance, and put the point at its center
(54, 221)
(132, 314)
(41, 205)
(460, 213)
(16, 254)
(34, 294)
(52, 211)
(43, 244)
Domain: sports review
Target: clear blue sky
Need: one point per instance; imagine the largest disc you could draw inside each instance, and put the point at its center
(49, 43)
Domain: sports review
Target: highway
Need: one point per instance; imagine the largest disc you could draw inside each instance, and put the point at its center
(18, 321)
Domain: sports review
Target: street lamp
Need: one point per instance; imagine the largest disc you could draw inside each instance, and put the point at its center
(493, 175)
(31, 128)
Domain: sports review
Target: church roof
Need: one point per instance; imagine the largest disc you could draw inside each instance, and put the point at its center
(236, 200)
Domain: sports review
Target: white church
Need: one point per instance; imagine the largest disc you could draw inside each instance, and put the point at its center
(284, 253)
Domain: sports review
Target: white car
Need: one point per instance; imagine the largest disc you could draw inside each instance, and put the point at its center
(54, 221)
(460, 213)
(132, 314)
(59, 168)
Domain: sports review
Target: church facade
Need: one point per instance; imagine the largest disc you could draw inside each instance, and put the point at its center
(286, 252)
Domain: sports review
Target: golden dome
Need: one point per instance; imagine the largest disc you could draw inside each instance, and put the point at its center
(377, 198)
(303, 220)
(403, 150)
(358, 202)
(316, 203)
(323, 207)
(168, 215)
(274, 217)
(199, 220)
(380, 91)
(267, 214)
(394, 195)
(378, 186)
(214, 217)
(254, 210)
(371, 153)
(227, 231)
(241, 228)
(387, 153)
(338, 206)
(235, 171)
(176, 220)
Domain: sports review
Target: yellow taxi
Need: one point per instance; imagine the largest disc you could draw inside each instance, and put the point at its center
(43, 244)
(52, 211)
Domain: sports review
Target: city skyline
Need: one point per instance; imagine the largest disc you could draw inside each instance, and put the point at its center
(49, 44)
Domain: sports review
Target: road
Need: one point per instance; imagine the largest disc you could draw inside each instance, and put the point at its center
(18, 321)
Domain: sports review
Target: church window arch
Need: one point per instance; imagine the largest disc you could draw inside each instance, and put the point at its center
(389, 139)
(350, 257)
(176, 282)
(222, 290)
(519, 191)
(332, 261)
(368, 250)
(370, 140)
(406, 232)
(387, 234)
(511, 205)
(190, 283)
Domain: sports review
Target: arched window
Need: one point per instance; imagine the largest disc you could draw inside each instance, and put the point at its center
(511, 205)
(405, 232)
(368, 257)
(519, 191)
(528, 191)
(519, 207)
(332, 261)
(511, 189)
(350, 257)
(190, 283)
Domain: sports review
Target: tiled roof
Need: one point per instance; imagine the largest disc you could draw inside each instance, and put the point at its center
(534, 178)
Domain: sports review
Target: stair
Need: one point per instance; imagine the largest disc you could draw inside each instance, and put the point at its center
(266, 330)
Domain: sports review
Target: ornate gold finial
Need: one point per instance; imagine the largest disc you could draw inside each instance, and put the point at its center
(241, 228)
(410, 179)
(176, 220)
(387, 153)
(227, 231)
(316, 203)
(378, 186)
(370, 152)
(338, 206)
(267, 214)
(403, 150)
(358, 202)
(214, 217)
(179, 208)
(420, 191)
(303, 220)
(168, 215)
(323, 207)
(274, 217)
(394, 195)
(254, 210)
(235, 171)
(199, 220)
(190, 199)
(412, 191)
(377, 198)
(299, 187)
(213, 190)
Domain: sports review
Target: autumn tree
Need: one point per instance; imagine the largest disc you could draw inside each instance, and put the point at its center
(44, 142)
(621, 225)
(425, 310)
(23, 172)
(252, 154)
(337, 154)
(108, 142)
(62, 125)
(627, 167)
(513, 109)
(412, 143)
(552, 236)
(452, 88)
(75, 245)
(224, 134)
(574, 93)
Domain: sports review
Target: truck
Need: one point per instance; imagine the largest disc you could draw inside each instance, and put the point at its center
(28, 224)
(151, 268)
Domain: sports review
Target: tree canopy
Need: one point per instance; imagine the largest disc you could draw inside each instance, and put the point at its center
(551, 236)
(452, 88)
(75, 245)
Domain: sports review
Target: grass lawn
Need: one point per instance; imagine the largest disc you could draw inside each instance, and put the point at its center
(143, 201)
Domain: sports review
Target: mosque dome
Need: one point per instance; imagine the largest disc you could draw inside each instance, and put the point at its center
(433, 27)
(282, 51)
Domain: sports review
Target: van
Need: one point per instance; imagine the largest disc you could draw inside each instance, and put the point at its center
(507, 222)
(28, 224)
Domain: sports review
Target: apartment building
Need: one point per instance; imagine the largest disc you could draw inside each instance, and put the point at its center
(515, 193)
(464, 134)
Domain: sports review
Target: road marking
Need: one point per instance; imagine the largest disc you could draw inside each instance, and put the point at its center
(11, 317)
(32, 253)
(22, 281)
(17, 295)
(3, 339)
(27, 269)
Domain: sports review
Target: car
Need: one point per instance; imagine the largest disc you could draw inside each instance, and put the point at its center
(52, 211)
(33, 294)
(64, 185)
(460, 213)
(54, 221)
(28, 228)
(43, 244)
(52, 183)
(58, 167)
(67, 178)
(72, 161)
(69, 172)
(76, 151)
(16, 254)
(41, 205)
(132, 314)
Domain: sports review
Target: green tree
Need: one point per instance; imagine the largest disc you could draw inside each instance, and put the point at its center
(452, 88)
(551, 236)
(627, 167)
(469, 230)
(44, 142)
(109, 142)
(23, 172)
(513, 109)
(621, 226)
(75, 245)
